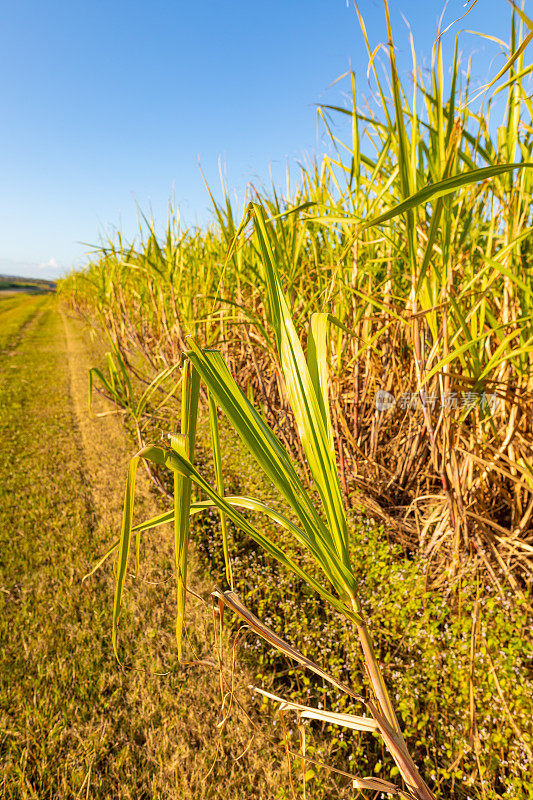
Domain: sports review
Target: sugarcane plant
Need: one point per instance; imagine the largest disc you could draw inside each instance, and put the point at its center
(436, 301)
(320, 529)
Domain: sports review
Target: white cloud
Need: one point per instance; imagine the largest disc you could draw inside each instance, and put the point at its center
(47, 265)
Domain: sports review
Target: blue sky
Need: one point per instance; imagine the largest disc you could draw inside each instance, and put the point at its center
(110, 105)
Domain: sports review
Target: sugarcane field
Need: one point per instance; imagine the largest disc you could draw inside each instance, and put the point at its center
(266, 474)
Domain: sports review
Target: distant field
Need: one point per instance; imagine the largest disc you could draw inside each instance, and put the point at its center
(15, 312)
(15, 283)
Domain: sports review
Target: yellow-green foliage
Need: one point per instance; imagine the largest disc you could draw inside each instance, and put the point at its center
(416, 236)
(409, 251)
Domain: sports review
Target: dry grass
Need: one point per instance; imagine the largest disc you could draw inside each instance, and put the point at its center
(72, 723)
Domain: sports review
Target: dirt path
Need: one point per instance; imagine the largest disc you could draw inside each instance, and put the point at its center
(72, 723)
(106, 452)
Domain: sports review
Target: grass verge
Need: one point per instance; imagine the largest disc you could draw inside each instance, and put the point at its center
(72, 723)
(15, 313)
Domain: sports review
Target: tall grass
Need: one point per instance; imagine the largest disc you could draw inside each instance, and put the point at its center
(409, 251)
(321, 530)
(432, 300)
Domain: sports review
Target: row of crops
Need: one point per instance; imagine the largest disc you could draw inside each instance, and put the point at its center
(430, 304)
(379, 318)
